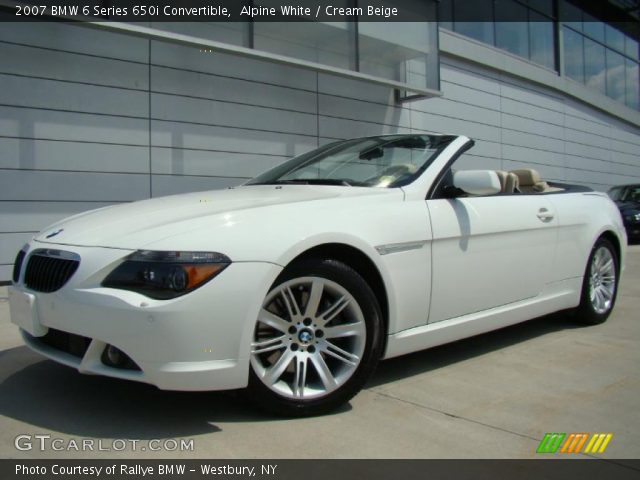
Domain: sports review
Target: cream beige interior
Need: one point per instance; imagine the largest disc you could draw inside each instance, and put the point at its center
(502, 176)
(530, 181)
(508, 181)
(523, 180)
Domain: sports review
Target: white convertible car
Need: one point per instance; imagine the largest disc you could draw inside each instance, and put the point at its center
(297, 283)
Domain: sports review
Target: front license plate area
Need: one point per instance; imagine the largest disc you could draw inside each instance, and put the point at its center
(24, 312)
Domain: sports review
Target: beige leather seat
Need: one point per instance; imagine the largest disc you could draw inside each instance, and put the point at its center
(530, 181)
(512, 185)
(508, 181)
(502, 176)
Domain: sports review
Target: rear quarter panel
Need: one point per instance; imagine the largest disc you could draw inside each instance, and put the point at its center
(582, 218)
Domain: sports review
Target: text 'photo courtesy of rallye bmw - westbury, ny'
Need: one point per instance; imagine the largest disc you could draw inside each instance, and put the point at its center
(294, 285)
(141, 471)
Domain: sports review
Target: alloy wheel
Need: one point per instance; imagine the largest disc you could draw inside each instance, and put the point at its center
(309, 338)
(602, 281)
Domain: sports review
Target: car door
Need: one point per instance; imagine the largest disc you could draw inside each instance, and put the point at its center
(489, 251)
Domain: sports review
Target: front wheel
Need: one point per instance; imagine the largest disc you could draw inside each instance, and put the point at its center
(600, 285)
(317, 339)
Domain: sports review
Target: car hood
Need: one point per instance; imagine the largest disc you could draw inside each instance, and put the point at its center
(135, 225)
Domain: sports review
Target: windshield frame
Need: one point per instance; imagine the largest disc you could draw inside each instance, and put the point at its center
(275, 175)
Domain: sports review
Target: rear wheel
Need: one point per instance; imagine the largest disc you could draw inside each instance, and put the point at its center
(317, 339)
(600, 285)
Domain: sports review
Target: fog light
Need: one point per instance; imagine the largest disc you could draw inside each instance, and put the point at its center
(115, 356)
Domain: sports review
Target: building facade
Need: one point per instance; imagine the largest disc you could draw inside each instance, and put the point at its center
(92, 117)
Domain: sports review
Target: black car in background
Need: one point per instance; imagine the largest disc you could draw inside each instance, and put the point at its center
(627, 197)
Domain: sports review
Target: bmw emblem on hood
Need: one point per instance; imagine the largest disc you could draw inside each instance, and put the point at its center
(54, 233)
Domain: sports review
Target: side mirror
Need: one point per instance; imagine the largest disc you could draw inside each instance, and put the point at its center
(477, 182)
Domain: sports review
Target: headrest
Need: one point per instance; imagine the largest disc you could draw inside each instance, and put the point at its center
(502, 176)
(512, 183)
(527, 177)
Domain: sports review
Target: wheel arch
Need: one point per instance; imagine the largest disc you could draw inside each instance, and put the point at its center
(361, 263)
(590, 310)
(615, 241)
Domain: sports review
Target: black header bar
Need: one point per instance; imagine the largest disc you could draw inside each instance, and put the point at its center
(287, 10)
(551, 469)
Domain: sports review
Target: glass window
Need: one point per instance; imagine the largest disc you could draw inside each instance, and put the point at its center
(234, 33)
(482, 31)
(399, 51)
(321, 42)
(573, 55)
(402, 51)
(631, 194)
(571, 15)
(593, 28)
(633, 84)
(518, 25)
(541, 40)
(631, 47)
(466, 12)
(326, 43)
(614, 38)
(511, 27)
(616, 76)
(614, 193)
(595, 65)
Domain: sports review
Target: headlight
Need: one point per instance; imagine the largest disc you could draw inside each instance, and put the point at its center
(165, 275)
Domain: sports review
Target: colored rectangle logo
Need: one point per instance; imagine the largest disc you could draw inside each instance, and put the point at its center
(582, 442)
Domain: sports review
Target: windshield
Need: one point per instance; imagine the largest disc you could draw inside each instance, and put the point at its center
(628, 193)
(387, 161)
(632, 194)
(615, 193)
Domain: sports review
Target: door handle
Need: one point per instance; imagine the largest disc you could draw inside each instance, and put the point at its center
(545, 215)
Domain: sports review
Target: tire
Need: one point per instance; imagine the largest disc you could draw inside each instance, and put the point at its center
(317, 339)
(600, 284)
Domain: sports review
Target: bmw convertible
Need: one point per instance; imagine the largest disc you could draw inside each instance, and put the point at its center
(296, 284)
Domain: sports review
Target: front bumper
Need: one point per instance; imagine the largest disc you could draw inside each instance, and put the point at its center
(200, 341)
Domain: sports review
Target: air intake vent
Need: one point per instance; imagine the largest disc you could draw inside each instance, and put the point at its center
(75, 345)
(17, 266)
(49, 270)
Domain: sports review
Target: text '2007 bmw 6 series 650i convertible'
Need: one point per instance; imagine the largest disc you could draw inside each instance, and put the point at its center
(294, 285)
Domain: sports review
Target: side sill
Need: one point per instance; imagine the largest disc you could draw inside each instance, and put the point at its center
(564, 294)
